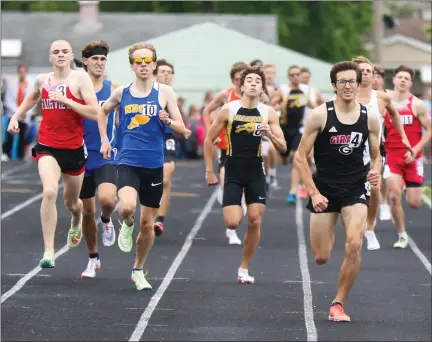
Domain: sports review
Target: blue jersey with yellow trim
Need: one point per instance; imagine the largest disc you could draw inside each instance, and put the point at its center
(91, 133)
(141, 134)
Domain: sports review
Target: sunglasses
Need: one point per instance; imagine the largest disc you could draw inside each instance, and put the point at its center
(139, 60)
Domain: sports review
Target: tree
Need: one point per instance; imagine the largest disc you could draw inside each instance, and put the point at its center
(331, 31)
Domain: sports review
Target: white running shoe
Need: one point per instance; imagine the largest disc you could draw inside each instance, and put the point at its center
(243, 277)
(385, 212)
(232, 237)
(93, 265)
(372, 241)
(108, 234)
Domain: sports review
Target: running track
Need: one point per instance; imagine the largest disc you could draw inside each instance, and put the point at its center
(193, 272)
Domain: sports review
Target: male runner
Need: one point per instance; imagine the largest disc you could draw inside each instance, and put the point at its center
(67, 97)
(100, 174)
(272, 87)
(379, 84)
(294, 99)
(404, 166)
(140, 156)
(225, 96)
(377, 102)
(246, 121)
(164, 74)
(338, 130)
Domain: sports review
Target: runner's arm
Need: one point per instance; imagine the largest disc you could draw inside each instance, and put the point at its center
(314, 122)
(109, 105)
(373, 138)
(31, 99)
(277, 137)
(90, 109)
(217, 102)
(394, 115)
(213, 132)
(422, 114)
(276, 98)
(177, 124)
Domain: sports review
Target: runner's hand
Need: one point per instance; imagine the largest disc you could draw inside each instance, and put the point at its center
(373, 177)
(265, 129)
(319, 202)
(13, 127)
(407, 144)
(217, 141)
(58, 97)
(187, 133)
(164, 117)
(211, 179)
(410, 156)
(106, 150)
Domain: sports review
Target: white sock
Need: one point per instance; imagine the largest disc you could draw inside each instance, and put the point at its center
(403, 235)
(272, 172)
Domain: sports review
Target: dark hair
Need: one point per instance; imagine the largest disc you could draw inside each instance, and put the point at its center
(96, 45)
(345, 66)
(378, 69)
(237, 67)
(253, 70)
(20, 66)
(404, 68)
(256, 62)
(295, 66)
(163, 62)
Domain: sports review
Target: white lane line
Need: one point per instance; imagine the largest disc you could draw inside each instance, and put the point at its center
(307, 289)
(11, 171)
(18, 286)
(414, 247)
(23, 205)
(145, 317)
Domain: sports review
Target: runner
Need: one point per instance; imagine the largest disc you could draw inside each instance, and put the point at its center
(60, 150)
(337, 130)
(164, 74)
(100, 174)
(140, 156)
(272, 88)
(246, 121)
(294, 99)
(405, 166)
(379, 84)
(225, 96)
(377, 102)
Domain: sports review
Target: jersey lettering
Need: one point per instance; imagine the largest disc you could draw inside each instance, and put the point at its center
(355, 139)
(146, 109)
(367, 187)
(170, 145)
(62, 89)
(406, 119)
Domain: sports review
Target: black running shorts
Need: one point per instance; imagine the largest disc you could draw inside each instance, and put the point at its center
(247, 175)
(105, 174)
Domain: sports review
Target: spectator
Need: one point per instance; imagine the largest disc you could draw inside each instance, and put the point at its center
(193, 145)
(180, 148)
(15, 93)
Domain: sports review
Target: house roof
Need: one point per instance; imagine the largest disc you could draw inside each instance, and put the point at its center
(400, 39)
(201, 66)
(410, 27)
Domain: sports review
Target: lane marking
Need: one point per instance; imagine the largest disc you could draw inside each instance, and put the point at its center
(143, 322)
(303, 261)
(21, 206)
(17, 190)
(184, 194)
(11, 171)
(18, 286)
(424, 260)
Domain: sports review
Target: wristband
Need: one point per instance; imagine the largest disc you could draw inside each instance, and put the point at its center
(104, 141)
(170, 122)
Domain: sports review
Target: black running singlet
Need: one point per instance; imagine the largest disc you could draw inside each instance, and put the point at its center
(293, 109)
(338, 151)
(242, 130)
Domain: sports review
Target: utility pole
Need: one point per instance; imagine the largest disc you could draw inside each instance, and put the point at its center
(378, 29)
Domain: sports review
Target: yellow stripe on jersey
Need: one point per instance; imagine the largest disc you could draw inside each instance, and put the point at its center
(228, 130)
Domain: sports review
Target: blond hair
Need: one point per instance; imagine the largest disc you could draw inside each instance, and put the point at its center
(362, 59)
(139, 46)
